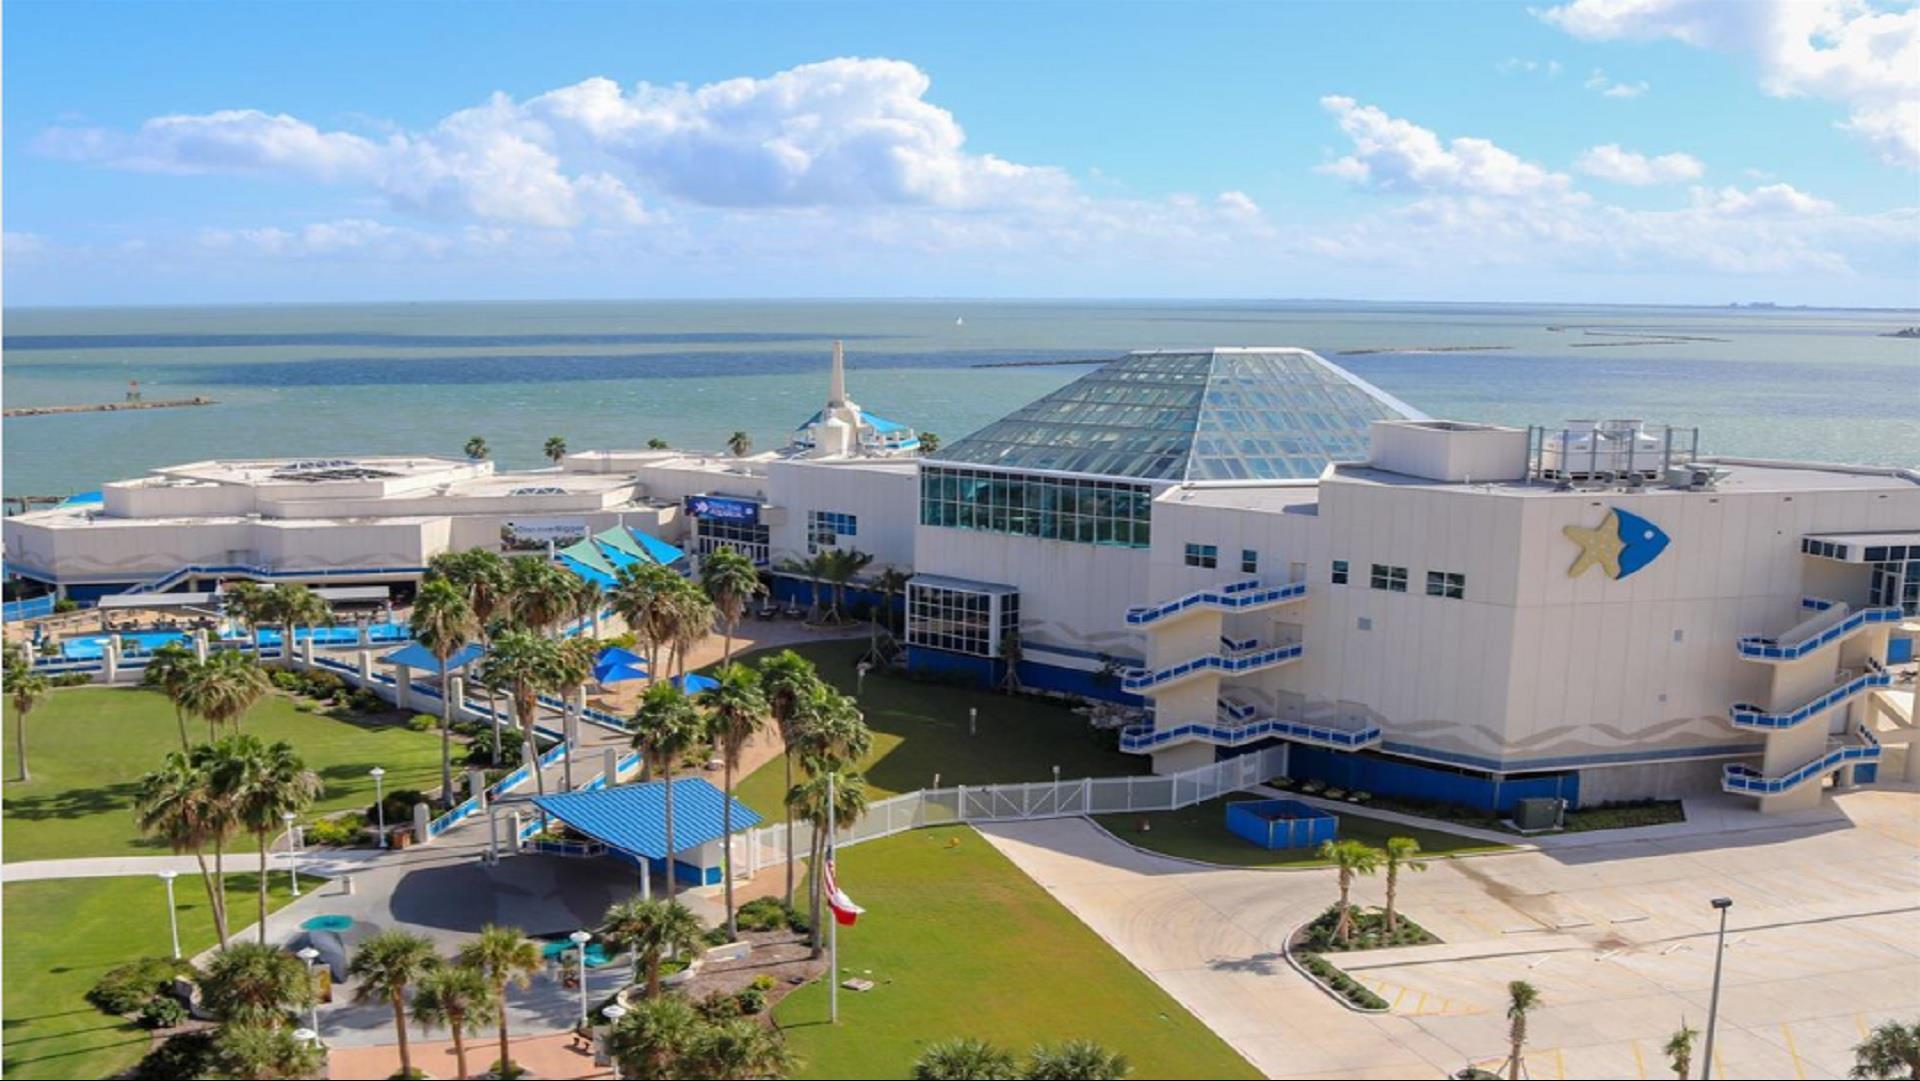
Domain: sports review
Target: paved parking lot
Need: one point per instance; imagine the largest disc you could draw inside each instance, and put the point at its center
(1824, 942)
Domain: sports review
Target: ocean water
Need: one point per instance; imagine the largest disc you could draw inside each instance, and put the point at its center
(342, 380)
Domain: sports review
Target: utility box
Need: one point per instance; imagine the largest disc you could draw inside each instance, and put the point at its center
(1536, 813)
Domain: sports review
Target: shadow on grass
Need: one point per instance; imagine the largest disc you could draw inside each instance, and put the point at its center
(73, 802)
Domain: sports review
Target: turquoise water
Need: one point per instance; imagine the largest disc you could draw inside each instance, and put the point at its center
(328, 923)
(95, 646)
(326, 380)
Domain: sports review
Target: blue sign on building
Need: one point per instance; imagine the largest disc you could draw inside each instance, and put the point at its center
(723, 509)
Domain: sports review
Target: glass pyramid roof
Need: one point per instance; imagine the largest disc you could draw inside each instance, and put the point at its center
(1209, 415)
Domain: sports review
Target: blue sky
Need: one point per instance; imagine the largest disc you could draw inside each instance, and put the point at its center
(1597, 150)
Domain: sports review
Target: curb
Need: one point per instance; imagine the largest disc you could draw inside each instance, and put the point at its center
(1325, 988)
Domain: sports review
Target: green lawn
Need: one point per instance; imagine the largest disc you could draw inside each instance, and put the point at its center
(59, 937)
(1200, 833)
(88, 747)
(920, 729)
(959, 942)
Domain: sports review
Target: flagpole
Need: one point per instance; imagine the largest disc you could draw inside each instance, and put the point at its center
(833, 927)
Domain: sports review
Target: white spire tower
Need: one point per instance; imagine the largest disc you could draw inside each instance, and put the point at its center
(837, 386)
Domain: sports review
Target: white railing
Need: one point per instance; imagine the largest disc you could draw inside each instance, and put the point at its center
(766, 846)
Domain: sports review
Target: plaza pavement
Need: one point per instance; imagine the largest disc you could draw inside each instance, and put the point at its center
(1614, 929)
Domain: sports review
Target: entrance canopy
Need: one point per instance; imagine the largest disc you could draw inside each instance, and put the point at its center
(418, 656)
(633, 817)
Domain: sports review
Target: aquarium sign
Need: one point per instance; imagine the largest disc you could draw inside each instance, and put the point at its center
(535, 534)
(722, 509)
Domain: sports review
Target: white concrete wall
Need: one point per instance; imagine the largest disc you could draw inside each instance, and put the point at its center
(885, 500)
(1072, 595)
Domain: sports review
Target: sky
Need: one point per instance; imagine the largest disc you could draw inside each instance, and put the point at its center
(1585, 151)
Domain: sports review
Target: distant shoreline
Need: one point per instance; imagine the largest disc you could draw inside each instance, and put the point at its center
(105, 407)
(1420, 349)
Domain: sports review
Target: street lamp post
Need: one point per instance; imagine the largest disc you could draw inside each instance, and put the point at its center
(173, 914)
(580, 940)
(1713, 999)
(293, 855)
(310, 955)
(613, 1014)
(379, 803)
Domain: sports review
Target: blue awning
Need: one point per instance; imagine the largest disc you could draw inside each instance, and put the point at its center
(662, 552)
(694, 683)
(415, 655)
(633, 817)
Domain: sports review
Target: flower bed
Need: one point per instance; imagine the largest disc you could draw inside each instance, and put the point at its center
(1309, 943)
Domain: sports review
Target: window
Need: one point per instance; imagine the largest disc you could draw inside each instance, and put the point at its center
(1391, 579)
(1339, 572)
(1446, 584)
(1203, 555)
(960, 620)
(1249, 561)
(750, 540)
(1085, 510)
(826, 527)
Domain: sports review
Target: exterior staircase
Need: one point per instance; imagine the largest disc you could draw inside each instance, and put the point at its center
(1246, 596)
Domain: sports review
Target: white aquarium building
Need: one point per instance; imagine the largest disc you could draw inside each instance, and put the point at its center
(1253, 547)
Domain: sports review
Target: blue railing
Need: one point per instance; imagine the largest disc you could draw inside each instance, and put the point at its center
(453, 817)
(631, 760)
(1139, 680)
(1761, 648)
(1747, 781)
(1235, 713)
(31, 608)
(1230, 598)
(1745, 715)
(1138, 738)
(173, 577)
(591, 715)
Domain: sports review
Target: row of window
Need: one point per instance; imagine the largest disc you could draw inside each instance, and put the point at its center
(826, 527)
(960, 621)
(750, 540)
(1208, 556)
(1053, 508)
(1392, 579)
(1879, 553)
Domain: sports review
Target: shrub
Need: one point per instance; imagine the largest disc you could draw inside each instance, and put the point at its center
(71, 679)
(129, 987)
(423, 722)
(65, 604)
(365, 701)
(764, 982)
(190, 1054)
(765, 914)
(481, 752)
(1343, 985)
(749, 1000)
(717, 936)
(345, 829)
(399, 806)
(163, 1011)
(303, 707)
(719, 1007)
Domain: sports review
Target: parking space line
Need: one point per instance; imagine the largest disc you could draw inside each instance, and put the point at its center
(1799, 1067)
(1422, 1004)
(1560, 1061)
(1402, 993)
(1639, 1060)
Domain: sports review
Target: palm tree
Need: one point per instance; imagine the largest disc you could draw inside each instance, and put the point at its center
(456, 998)
(653, 1039)
(504, 955)
(1011, 655)
(247, 603)
(1522, 997)
(965, 1059)
(222, 688)
(263, 785)
(808, 799)
(739, 1048)
(290, 606)
(255, 984)
(1076, 1060)
(175, 803)
(814, 569)
(266, 1053)
(528, 664)
(739, 443)
(442, 620)
(637, 590)
(929, 442)
(482, 576)
(573, 670)
(841, 566)
(665, 728)
(26, 689)
(689, 619)
(788, 679)
(735, 711)
(656, 443)
(385, 966)
(1679, 1050)
(655, 930)
(1400, 852)
(730, 581)
(1353, 858)
(477, 448)
(1890, 1048)
(167, 668)
(539, 594)
(555, 449)
(890, 583)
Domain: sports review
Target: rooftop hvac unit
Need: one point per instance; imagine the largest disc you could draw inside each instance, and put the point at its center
(1536, 813)
(1693, 478)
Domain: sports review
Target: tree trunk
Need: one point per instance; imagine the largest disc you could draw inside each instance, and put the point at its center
(446, 737)
(1393, 887)
(814, 859)
(220, 891)
(213, 899)
(502, 1016)
(1518, 1040)
(180, 718)
(653, 974)
(262, 836)
(20, 744)
(459, 1046)
(787, 754)
(400, 1027)
(1343, 927)
(726, 842)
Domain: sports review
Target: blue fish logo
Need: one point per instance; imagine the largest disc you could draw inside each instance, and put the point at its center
(1621, 544)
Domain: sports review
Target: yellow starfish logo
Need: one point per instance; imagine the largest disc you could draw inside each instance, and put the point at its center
(1599, 547)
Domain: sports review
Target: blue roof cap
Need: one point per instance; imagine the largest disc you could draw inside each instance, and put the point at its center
(415, 655)
(633, 817)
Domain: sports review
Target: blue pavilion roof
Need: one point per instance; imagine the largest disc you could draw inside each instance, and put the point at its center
(633, 817)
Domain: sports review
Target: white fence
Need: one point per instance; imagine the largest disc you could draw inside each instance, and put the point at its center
(767, 846)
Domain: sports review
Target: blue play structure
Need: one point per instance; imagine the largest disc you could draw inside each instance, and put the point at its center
(1280, 823)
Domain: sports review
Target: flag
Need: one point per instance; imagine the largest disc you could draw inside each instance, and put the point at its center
(844, 910)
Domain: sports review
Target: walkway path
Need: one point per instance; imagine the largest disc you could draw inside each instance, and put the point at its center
(1617, 934)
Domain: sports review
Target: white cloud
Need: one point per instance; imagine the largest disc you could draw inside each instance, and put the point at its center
(841, 133)
(1608, 88)
(1391, 154)
(1768, 200)
(1610, 162)
(1848, 51)
(347, 237)
(1514, 65)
